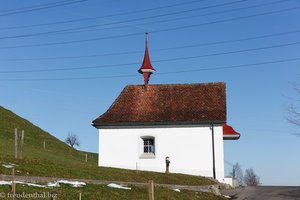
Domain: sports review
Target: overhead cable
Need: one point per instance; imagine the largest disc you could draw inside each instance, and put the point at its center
(100, 17)
(162, 73)
(155, 31)
(162, 60)
(155, 50)
(112, 23)
(38, 7)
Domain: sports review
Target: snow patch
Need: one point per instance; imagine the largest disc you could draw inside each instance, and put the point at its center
(176, 190)
(54, 184)
(22, 183)
(9, 165)
(228, 197)
(113, 185)
(5, 182)
(31, 184)
(72, 183)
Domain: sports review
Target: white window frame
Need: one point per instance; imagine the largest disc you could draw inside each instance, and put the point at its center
(147, 155)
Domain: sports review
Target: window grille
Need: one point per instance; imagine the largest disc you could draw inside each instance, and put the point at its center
(148, 145)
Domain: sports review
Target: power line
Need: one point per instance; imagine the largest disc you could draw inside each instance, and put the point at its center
(162, 60)
(217, 12)
(38, 7)
(69, 68)
(174, 19)
(230, 52)
(157, 31)
(227, 20)
(178, 18)
(72, 41)
(234, 66)
(155, 50)
(104, 16)
(229, 163)
(162, 73)
(120, 22)
(32, 6)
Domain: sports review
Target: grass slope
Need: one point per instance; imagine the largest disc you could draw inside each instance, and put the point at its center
(56, 150)
(60, 160)
(100, 192)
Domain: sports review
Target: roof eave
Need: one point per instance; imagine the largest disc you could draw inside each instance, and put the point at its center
(231, 137)
(153, 124)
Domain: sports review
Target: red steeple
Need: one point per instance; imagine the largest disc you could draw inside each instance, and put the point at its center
(146, 68)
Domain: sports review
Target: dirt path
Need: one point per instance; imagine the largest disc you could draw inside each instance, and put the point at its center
(264, 193)
(38, 179)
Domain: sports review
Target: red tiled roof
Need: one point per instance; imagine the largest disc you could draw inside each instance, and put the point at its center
(167, 104)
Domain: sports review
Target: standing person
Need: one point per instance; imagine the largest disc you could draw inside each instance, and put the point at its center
(167, 165)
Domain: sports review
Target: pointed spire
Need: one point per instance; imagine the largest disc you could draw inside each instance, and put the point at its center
(146, 69)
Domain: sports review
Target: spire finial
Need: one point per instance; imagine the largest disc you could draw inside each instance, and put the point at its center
(146, 69)
(146, 39)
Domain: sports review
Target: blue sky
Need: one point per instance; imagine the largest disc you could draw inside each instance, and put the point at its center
(198, 41)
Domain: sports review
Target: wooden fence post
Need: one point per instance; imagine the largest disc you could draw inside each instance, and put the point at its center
(22, 142)
(44, 144)
(151, 190)
(16, 143)
(86, 157)
(13, 183)
(79, 195)
(136, 167)
(53, 195)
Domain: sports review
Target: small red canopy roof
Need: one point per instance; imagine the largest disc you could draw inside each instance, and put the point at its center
(229, 133)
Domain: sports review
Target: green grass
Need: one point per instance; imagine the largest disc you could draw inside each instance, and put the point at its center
(56, 150)
(82, 170)
(95, 192)
(61, 161)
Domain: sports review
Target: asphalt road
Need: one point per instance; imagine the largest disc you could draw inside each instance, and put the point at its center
(264, 193)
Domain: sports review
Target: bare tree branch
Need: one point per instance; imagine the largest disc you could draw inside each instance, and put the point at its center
(237, 174)
(72, 140)
(294, 109)
(250, 178)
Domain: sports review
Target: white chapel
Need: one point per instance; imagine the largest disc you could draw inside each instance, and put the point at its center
(149, 122)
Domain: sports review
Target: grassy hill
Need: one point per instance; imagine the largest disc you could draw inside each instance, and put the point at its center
(60, 160)
(56, 150)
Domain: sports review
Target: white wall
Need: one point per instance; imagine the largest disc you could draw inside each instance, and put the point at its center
(189, 149)
(228, 180)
